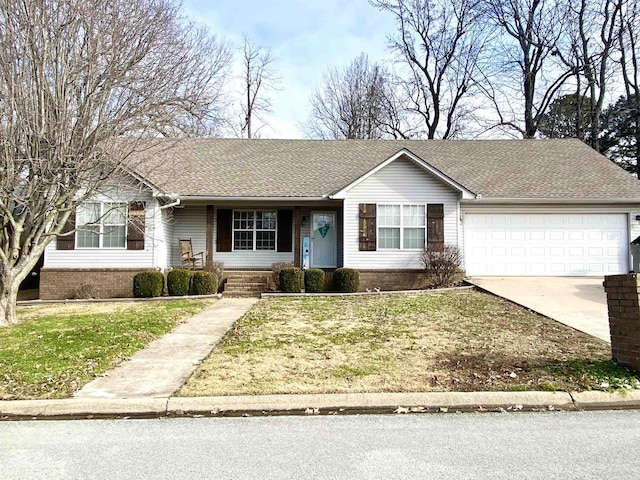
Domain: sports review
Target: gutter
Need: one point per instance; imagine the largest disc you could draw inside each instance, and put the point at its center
(255, 199)
(546, 201)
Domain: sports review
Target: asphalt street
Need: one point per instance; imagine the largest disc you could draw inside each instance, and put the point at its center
(576, 445)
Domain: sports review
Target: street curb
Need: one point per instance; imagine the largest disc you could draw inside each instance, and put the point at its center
(369, 403)
(324, 404)
(84, 408)
(596, 400)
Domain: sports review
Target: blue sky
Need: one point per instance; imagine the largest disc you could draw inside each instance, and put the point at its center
(306, 37)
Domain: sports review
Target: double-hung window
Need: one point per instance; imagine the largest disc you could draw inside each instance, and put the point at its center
(101, 225)
(254, 229)
(401, 227)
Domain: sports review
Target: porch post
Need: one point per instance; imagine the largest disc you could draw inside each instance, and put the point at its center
(296, 236)
(209, 237)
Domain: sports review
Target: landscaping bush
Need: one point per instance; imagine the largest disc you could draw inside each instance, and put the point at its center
(178, 282)
(275, 271)
(314, 280)
(346, 280)
(86, 292)
(204, 283)
(148, 284)
(441, 265)
(217, 268)
(290, 279)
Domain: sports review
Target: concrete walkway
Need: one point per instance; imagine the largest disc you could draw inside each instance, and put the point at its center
(163, 367)
(579, 302)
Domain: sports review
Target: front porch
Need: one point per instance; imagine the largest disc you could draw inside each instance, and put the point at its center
(254, 236)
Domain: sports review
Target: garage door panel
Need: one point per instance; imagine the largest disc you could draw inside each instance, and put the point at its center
(550, 244)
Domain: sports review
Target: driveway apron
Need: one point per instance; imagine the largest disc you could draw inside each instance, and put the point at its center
(579, 302)
(166, 363)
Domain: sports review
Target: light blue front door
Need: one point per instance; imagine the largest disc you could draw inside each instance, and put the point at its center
(324, 238)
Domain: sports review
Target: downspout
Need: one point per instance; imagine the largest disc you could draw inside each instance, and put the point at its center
(175, 203)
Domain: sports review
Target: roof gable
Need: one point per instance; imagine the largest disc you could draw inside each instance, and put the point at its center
(404, 153)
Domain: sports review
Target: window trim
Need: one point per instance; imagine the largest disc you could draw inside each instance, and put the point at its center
(254, 230)
(101, 226)
(401, 227)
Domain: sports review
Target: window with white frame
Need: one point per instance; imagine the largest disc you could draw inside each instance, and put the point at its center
(101, 225)
(254, 229)
(401, 227)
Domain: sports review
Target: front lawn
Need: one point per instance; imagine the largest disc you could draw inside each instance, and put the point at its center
(460, 340)
(55, 350)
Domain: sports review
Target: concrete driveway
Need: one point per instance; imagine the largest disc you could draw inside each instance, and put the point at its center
(579, 302)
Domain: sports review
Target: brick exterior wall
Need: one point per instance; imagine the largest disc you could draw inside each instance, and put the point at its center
(390, 280)
(623, 292)
(62, 283)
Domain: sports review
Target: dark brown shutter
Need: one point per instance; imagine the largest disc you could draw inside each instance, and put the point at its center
(285, 225)
(136, 226)
(224, 230)
(67, 242)
(367, 227)
(208, 236)
(435, 226)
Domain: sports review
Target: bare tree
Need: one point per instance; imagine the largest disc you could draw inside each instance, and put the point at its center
(258, 79)
(594, 31)
(525, 64)
(630, 64)
(355, 102)
(439, 43)
(74, 76)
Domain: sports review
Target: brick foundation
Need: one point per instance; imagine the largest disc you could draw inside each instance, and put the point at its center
(62, 283)
(623, 292)
(390, 280)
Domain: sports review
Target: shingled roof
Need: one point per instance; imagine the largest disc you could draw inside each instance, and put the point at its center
(494, 169)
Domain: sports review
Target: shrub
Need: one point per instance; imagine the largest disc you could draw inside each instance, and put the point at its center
(441, 265)
(204, 283)
(290, 279)
(314, 280)
(178, 281)
(275, 271)
(86, 292)
(217, 268)
(346, 280)
(148, 284)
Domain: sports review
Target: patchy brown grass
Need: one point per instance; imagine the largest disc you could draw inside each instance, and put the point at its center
(448, 341)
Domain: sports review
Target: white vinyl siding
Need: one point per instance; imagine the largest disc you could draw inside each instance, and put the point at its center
(112, 257)
(401, 182)
(189, 221)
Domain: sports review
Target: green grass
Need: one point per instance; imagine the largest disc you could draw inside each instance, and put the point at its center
(55, 350)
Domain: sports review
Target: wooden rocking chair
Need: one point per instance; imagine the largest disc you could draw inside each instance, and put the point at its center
(187, 257)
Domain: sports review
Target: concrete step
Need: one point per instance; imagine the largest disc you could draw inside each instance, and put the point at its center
(237, 294)
(246, 289)
(235, 284)
(246, 280)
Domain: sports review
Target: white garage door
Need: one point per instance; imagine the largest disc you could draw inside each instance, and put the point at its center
(551, 245)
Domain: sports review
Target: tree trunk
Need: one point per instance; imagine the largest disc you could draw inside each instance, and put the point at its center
(8, 299)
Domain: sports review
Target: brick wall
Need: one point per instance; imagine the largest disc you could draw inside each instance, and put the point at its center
(393, 280)
(62, 283)
(623, 293)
